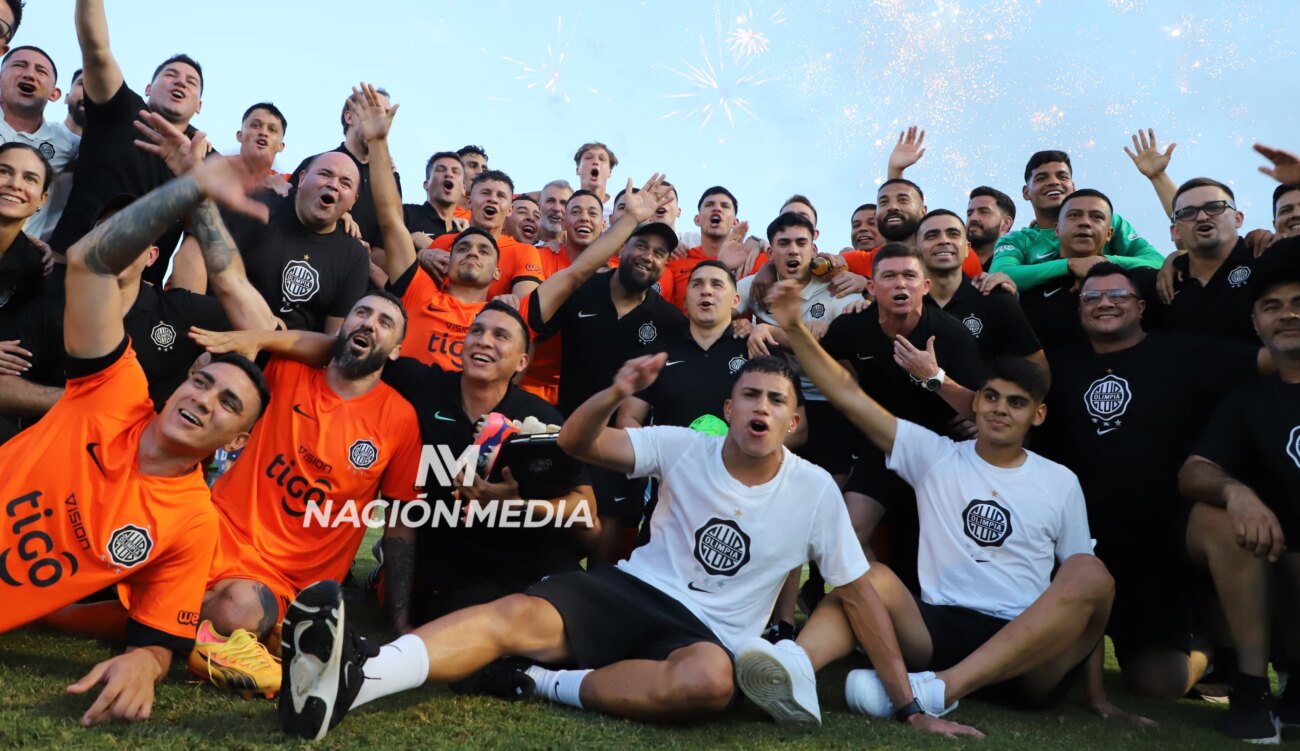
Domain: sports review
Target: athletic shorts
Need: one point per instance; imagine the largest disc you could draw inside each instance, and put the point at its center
(831, 438)
(1155, 594)
(610, 616)
(617, 497)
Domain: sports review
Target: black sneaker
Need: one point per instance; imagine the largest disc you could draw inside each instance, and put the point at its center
(778, 631)
(1288, 707)
(812, 592)
(1252, 722)
(504, 678)
(321, 662)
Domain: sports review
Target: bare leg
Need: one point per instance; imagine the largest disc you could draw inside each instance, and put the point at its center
(695, 680)
(1056, 633)
(241, 603)
(609, 543)
(828, 636)
(466, 640)
(1164, 673)
(1241, 580)
(785, 601)
(865, 514)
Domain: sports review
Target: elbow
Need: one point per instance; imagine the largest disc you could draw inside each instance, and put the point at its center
(1187, 476)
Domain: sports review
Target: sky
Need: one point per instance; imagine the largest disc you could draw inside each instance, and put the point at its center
(766, 98)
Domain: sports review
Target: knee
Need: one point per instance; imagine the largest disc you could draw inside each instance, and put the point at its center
(1086, 578)
(1153, 678)
(234, 604)
(705, 686)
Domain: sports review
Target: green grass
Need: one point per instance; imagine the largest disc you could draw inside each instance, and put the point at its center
(35, 713)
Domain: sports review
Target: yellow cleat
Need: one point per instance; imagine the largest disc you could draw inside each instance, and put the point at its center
(236, 663)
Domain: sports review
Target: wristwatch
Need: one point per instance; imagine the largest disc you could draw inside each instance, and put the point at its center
(934, 382)
(907, 710)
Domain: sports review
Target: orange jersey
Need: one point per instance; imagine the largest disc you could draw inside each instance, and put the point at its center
(79, 516)
(435, 331)
(518, 262)
(460, 213)
(859, 262)
(680, 271)
(311, 446)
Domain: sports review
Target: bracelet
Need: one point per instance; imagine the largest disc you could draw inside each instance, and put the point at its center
(905, 712)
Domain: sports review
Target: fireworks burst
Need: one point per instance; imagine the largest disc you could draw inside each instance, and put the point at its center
(548, 75)
(745, 41)
(713, 91)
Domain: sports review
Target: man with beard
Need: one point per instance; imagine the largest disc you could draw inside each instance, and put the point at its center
(721, 234)
(1032, 256)
(28, 83)
(594, 163)
(525, 219)
(990, 213)
(336, 434)
(555, 195)
(900, 204)
(108, 163)
(444, 187)
(42, 225)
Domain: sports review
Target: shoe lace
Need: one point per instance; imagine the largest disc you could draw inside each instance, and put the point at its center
(244, 649)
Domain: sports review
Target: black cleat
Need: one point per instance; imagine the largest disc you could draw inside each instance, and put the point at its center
(321, 662)
(504, 678)
(1252, 722)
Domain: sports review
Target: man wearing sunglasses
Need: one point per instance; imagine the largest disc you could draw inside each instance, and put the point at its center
(1127, 407)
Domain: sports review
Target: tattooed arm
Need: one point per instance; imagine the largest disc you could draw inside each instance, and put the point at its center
(399, 573)
(244, 305)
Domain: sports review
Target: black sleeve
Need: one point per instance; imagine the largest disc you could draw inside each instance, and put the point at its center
(199, 310)
(1018, 337)
(140, 635)
(123, 106)
(78, 367)
(963, 362)
(354, 278)
(1226, 440)
(546, 329)
(402, 283)
(409, 376)
(38, 328)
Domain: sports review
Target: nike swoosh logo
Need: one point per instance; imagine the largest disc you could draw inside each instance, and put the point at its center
(1049, 294)
(618, 498)
(1041, 256)
(432, 309)
(691, 586)
(90, 449)
(586, 315)
(868, 357)
(286, 309)
(298, 408)
(438, 416)
(674, 362)
(1107, 430)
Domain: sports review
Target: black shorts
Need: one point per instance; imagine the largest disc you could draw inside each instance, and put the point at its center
(831, 438)
(956, 632)
(1155, 595)
(617, 497)
(610, 616)
(870, 477)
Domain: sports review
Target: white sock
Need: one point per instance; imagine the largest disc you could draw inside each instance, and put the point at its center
(400, 666)
(560, 686)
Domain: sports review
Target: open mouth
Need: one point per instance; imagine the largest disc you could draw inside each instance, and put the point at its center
(582, 231)
(715, 220)
(758, 427)
(448, 185)
(7, 198)
(480, 359)
(1054, 194)
(1293, 224)
(661, 212)
(328, 199)
(901, 298)
(595, 172)
(792, 265)
(360, 340)
(489, 211)
(190, 417)
(893, 218)
(706, 304)
(27, 89)
(178, 95)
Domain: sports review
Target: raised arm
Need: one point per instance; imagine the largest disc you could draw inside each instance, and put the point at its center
(19, 396)
(838, 384)
(101, 75)
(586, 435)
(244, 305)
(1152, 163)
(374, 122)
(908, 151)
(309, 347)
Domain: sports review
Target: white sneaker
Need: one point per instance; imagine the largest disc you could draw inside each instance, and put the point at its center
(779, 678)
(865, 694)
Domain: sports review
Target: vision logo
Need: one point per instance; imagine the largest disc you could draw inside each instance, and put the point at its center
(721, 547)
(818, 310)
(1107, 400)
(988, 523)
(735, 364)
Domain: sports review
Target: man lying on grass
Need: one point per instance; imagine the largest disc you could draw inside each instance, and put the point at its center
(652, 638)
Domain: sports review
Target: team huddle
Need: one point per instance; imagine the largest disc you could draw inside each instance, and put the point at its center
(967, 453)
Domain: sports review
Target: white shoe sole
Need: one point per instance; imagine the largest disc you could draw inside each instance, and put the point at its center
(312, 674)
(768, 683)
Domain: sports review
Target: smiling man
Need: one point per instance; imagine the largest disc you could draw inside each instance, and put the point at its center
(28, 84)
(526, 216)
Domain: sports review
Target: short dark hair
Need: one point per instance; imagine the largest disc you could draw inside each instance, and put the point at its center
(800, 198)
(768, 364)
(895, 250)
(1109, 268)
(45, 163)
(1025, 373)
(181, 57)
(621, 193)
(472, 230)
(1088, 193)
(502, 307)
(711, 263)
(343, 115)
(583, 149)
(495, 175)
(525, 197)
(39, 51)
(382, 293)
(75, 75)
(1280, 191)
(579, 194)
(254, 374)
(1201, 182)
(1002, 200)
(902, 181)
(870, 206)
(939, 212)
(15, 7)
(471, 149)
(269, 107)
(1040, 158)
(428, 166)
(718, 190)
(786, 221)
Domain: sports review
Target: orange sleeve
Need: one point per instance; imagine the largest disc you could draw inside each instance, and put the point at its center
(462, 213)
(400, 474)
(759, 263)
(167, 595)
(116, 392)
(527, 263)
(972, 267)
(859, 262)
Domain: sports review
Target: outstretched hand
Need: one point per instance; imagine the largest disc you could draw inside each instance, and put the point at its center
(228, 181)
(167, 142)
(947, 728)
(908, 151)
(246, 343)
(654, 195)
(1286, 164)
(128, 687)
(785, 304)
(1146, 154)
(735, 252)
(369, 115)
(637, 374)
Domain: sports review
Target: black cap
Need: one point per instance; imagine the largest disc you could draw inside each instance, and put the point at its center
(660, 230)
(1275, 276)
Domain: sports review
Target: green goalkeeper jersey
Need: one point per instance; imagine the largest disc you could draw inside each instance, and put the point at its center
(1032, 256)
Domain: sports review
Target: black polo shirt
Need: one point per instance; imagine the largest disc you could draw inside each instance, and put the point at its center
(694, 381)
(22, 276)
(109, 164)
(596, 341)
(421, 217)
(363, 211)
(996, 320)
(303, 276)
(454, 557)
(158, 325)
(1255, 436)
(1125, 421)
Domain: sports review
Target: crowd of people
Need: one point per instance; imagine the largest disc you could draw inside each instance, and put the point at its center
(988, 448)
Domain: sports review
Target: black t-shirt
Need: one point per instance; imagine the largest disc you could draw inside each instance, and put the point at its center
(1125, 421)
(363, 211)
(421, 217)
(109, 164)
(22, 276)
(451, 557)
(157, 324)
(1255, 436)
(1053, 309)
(694, 381)
(996, 320)
(304, 276)
(596, 341)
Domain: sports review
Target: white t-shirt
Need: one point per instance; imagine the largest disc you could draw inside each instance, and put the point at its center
(723, 549)
(819, 304)
(59, 145)
(989, 535)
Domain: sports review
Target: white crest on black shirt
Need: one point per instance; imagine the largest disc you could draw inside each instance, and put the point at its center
(1293, 445)
(363, 454)
(1107, 400)
(988, 523)
(973, 324)
(300, 282)
(647, 333)
(1239, 276)
(163, 336)
(721, 547)
(735, 364)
